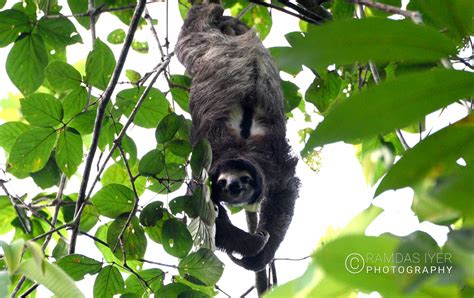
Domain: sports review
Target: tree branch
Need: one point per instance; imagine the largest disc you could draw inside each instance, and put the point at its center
(98, 121)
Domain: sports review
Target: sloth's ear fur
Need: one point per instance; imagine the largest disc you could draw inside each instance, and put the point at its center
(241, 164)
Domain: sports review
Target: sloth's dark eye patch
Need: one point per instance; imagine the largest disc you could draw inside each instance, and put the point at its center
(245, 179)
(222, 182)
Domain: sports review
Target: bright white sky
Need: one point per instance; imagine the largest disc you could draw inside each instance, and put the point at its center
(328, 199)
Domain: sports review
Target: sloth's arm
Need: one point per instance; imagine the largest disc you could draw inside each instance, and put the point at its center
(234, 240)
(275, 217)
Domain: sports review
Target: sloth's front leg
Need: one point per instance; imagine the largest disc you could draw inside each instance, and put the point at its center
(234, 240)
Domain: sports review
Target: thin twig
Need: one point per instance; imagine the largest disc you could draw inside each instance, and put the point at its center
(124, 256)
(135, 194)
(245, 10)
(51, 231)
(414, 15)
(30, 290)
(59, 196)
(18, 287)
(222, 291)
(293, 259)
(98, 121)
(247, 292)
(158, 263)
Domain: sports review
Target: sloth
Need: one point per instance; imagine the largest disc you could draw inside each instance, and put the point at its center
(236, 103)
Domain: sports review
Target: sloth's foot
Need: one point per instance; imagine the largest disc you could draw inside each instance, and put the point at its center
(254, 263)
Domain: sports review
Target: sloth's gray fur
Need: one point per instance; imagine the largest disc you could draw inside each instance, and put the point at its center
(229, 66)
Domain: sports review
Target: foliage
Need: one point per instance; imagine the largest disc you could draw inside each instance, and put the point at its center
(62, 121)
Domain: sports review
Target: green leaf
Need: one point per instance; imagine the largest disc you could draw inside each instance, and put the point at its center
(52, 277)
(116, 37)
(61, 249)
(167, 128)
(41, 109)
(130, 149)
(198, 289)
(77, 266)
(179, 147)
(58, 32)
(376, 39)
(454, 18)
(291, 95)
(176, 238)
(108, 283)
(456, 190)
(203, 265)
(154, 233)
(204, 205)
(180, 90)
(69, 151)
(392, 104)
(7, 215)
(4, 281)
(151, 163)
(31, 151)
(183, 203)
(324, 90)
(100, 65)
(152, 213)
(376, 157)
(36, 253)
(28, 7)
(431, 155)
(341, 9)
(133, 239)
(81, 6)
(62, 76)
(154, 278)
(12, 254)
(140, 47)
(183, 9)
(280, 55)
(26, 63)
(170, 179)
(173, 289)
(74, 102)
(203, 234)
(12, 23)
(107, 253)
(83, 122)
(257, 17)
(201, 158)
(133, 76)
(117, 173)
(113, 200)
(153, 109)
(9, 132)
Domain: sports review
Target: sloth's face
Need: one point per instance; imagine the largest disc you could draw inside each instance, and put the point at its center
(235, 187)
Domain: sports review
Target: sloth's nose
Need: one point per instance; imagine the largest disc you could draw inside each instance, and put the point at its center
(235, 187)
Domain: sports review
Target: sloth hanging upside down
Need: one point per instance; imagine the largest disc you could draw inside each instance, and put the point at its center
(236, 103)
